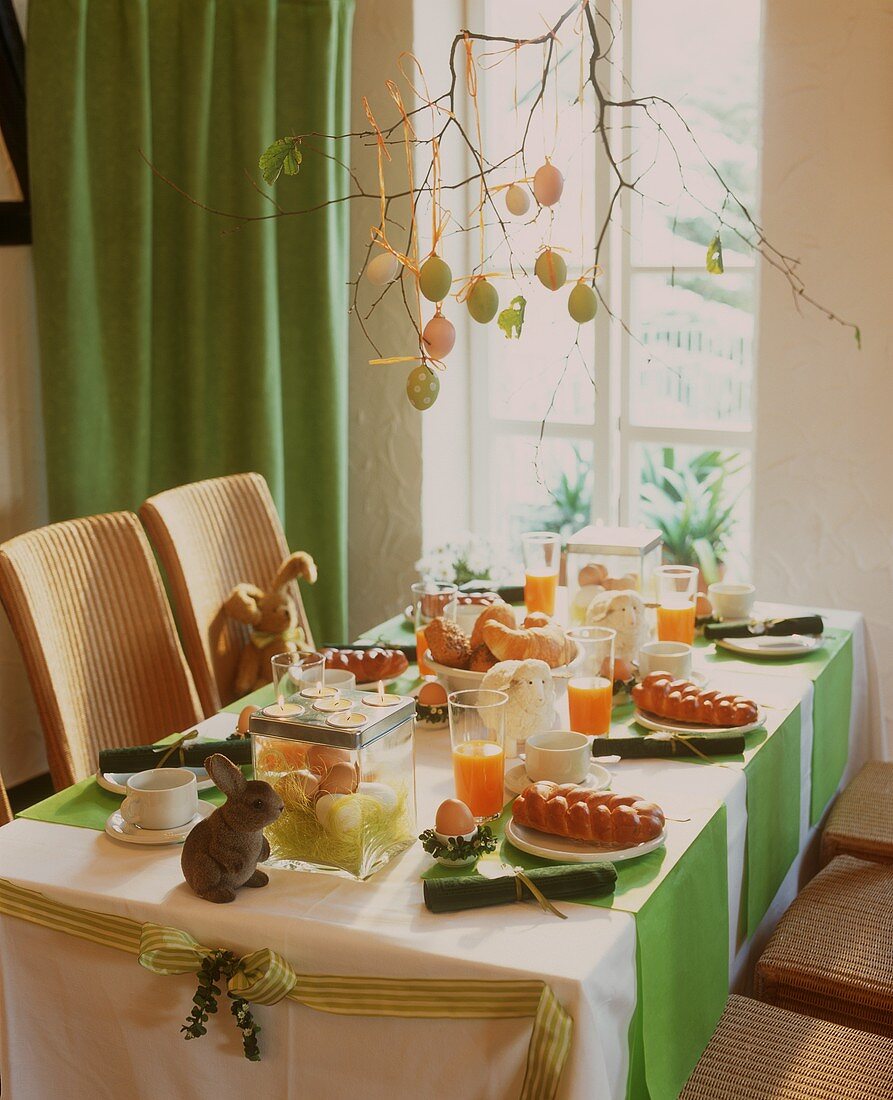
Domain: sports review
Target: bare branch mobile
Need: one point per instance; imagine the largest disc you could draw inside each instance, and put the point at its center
(503, 192)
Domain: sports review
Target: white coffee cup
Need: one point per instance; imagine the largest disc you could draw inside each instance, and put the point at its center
(730, 600)
(671, 657)
(340, 678)
(560, 756)
(163, 798)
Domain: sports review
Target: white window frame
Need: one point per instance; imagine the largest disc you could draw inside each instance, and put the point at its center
(613, 435)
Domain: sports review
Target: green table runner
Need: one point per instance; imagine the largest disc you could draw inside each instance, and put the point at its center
(831, 670)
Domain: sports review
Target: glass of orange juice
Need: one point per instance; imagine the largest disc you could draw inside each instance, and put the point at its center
(431, 600)
(542, 560)
(590, 685)
(477, 734)
(677, 598)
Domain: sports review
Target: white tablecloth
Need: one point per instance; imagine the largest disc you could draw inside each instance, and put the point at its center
(91, 1022)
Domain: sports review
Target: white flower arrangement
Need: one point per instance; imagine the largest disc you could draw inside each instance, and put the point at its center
(467, 557)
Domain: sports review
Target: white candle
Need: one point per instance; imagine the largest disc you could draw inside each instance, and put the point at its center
(330, 706)
(347, 719)
(381, 699)
(319, 691)
(283, 710)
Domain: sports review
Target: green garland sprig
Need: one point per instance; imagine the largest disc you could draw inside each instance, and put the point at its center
(216, 967)
(458, 848)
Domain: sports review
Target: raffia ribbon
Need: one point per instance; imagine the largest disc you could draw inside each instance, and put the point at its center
(177, 747)
(521, 880)
(264, 977)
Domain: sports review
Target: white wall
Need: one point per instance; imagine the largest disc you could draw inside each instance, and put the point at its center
(824, 456)
(22, 494)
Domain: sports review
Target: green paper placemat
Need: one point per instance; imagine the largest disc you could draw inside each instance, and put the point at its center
(88, 806)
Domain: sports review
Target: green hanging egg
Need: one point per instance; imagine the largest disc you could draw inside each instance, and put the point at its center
(582, 303)
(483, 301)
(422, 387)
(551, 270)
(435, 279)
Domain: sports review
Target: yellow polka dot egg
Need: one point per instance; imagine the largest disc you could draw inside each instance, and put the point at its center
(422, 387)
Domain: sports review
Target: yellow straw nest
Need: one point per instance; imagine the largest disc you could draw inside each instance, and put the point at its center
(360, 831)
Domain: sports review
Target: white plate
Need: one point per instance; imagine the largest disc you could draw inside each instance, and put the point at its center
(695, 676)
(116, 782)
(118, 828)
(655, 722)
(561, 849)
(599, 779)
(794, 646)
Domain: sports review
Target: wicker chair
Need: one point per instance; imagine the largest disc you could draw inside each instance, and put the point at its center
(210, 536)
(87, 606)
(861, 820)
(760, 1052)
(831, 955)
(5, 810)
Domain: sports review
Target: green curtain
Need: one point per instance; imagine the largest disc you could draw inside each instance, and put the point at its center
(174, 344)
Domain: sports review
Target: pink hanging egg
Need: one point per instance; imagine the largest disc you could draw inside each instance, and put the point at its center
(439, 336)
(548, 183)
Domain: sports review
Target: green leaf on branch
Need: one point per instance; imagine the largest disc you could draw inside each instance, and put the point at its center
(284, 155)
(714, 256)
(511, 319)
(858, 335)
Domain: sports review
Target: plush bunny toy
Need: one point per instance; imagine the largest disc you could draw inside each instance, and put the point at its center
(531, 692)
(273, 619)
(222, 852)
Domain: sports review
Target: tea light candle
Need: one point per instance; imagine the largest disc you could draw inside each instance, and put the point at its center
(330, 706)
(347, 719)
(283, 710)
(381, 699)
(320, 691)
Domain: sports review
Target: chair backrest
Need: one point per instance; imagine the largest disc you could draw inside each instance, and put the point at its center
(209, 537)
(87, 606)
(5, 811)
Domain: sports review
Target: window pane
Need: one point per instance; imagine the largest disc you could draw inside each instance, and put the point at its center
(551, 494)
(703, 57)
(691, 361)
(700, 500)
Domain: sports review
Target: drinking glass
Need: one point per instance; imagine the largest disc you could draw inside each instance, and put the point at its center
(431, 600)
(677, 597)
(477, 735)
(590, 686)
(542, 561)
(294, 673)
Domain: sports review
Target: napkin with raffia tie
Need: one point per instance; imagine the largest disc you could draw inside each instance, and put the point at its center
(449, 895)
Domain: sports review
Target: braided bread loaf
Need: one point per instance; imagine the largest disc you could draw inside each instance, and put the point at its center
(660, 694)
(596, 817)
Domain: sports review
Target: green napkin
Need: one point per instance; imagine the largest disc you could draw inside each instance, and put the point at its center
(450, 895)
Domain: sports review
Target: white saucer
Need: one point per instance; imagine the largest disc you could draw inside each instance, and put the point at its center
(562, 849)
(793, 646)
(599, 779)
(118, 828)
(655, 722)
(695, 676)
(116, 782)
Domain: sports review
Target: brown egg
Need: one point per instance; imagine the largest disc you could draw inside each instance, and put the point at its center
(593, 573)
(453, 818)
(548, 183)
(432, 694)
(704, 609)
(623, 670)
(341, 779)
(242, 724)
(320, 758)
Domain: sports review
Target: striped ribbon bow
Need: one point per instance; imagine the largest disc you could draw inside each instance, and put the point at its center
(263, 977)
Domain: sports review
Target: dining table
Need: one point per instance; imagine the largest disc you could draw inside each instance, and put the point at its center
(639, 977)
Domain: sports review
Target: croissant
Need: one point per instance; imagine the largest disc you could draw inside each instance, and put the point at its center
(682, 700)
(596, 817)
(539, 639)
(497, 612)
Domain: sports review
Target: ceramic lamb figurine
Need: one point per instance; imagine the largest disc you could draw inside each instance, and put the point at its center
(623, 611)
(531, 692)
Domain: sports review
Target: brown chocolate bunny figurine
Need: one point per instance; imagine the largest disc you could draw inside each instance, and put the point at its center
(222, 852)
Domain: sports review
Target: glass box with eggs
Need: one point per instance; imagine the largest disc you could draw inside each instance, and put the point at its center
(603, 559)
(343, 766)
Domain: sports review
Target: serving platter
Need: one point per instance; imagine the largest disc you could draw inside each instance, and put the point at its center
(670, 725)
(598, 779)
(562, 849)
(797, 645)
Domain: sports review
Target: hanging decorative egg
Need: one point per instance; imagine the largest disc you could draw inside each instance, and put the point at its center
(435, 279)
(483, 301)
(439, 336)
(551, 270)
(422, 387)
(582, 303)
(548, 183)
(517, 200)
(382, 269)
